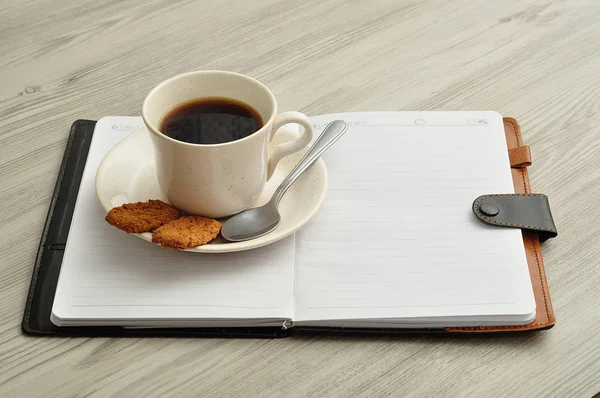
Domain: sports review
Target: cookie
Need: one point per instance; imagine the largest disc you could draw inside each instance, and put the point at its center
(142, 216)
(186, 232)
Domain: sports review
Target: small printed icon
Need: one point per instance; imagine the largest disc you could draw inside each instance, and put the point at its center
(420, 121)
(125, 127)
(477, 121)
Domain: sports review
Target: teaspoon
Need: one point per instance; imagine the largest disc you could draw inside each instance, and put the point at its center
(259, 221)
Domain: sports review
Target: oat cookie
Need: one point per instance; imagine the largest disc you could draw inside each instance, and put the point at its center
(142, 216)
(187, 232)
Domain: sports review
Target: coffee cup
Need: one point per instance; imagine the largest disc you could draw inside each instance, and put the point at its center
(218, 179)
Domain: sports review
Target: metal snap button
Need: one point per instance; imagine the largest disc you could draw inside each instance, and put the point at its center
(489, 209)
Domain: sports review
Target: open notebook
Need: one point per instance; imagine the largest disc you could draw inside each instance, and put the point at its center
(395, 244)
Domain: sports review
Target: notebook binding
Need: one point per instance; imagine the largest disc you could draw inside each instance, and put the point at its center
(287, 324)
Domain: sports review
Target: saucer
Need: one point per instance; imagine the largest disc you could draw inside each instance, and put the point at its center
(127, 174)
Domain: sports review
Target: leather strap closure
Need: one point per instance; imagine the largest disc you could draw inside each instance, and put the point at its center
(520, 156)
(526, 211)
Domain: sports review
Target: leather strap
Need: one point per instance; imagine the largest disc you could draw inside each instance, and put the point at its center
(525, 211)
(520, 156)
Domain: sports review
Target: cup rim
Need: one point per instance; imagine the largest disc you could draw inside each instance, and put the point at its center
(153, 129)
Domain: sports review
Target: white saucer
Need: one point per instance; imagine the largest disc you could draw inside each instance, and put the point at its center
(127, 175)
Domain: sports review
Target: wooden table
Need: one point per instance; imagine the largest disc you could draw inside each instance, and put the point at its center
(538, 61)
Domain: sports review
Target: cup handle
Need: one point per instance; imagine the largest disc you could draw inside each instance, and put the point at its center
(287, 148)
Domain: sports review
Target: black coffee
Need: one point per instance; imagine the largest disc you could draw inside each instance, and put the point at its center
(210, 121)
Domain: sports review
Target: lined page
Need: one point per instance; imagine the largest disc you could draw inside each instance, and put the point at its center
(120, 279)
(396, 237)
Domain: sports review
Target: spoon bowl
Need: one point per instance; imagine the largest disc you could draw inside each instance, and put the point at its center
(252, 223)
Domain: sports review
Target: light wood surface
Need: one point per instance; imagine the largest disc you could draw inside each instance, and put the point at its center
(538, 61)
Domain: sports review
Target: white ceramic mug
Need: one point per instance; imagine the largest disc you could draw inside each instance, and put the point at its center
(221, 179)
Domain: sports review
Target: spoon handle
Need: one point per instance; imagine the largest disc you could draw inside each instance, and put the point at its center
(332, 132)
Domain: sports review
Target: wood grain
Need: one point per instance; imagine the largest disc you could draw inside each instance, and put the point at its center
(538, 61)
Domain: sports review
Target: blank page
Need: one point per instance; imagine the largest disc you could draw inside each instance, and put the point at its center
(109, 277)
(396, 238)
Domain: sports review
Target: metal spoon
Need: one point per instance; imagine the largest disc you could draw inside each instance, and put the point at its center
(253, 223)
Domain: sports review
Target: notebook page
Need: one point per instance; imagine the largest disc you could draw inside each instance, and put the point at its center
(396, 237)
(113, 277)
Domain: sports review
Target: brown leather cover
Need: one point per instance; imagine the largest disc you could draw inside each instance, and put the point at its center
(544, 313)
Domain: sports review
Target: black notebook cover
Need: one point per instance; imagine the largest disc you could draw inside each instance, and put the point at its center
(36, 318)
